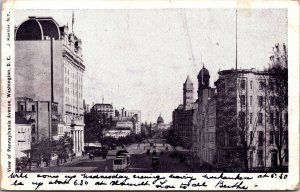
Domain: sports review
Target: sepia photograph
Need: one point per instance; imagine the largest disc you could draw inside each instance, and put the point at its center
(170, 90)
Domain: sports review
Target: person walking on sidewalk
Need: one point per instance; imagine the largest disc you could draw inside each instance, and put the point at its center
(29, 163)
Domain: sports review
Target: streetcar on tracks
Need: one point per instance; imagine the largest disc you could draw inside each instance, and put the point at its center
(122, 161)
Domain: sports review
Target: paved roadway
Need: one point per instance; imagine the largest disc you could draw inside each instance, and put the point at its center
(140, 161)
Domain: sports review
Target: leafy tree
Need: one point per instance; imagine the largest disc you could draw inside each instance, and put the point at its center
(95, 126)
(63, 147)
(43, 150)
(173, 138)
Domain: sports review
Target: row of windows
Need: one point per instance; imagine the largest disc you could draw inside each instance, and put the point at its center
(260, 118)
(73, 75)
(261, 84)
(260, 100)
(21, 107)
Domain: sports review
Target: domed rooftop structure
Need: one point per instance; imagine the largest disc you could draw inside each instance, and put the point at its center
(38, 28)
(160, 119)
(205, 73)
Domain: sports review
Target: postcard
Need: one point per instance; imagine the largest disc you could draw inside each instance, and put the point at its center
(150, 95)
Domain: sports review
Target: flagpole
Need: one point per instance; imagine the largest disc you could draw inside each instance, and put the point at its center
(73, 21)
(236, 39)
(202, 70)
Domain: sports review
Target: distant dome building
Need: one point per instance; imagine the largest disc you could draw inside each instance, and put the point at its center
(160, 120)
(160, 125)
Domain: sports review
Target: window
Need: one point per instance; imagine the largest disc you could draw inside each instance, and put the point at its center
(260, 101)
(242, 118)
(22, 108)
(251, 84)
(231, 139)
(251, 136)
(32, 128)
(272, 101)
(250, 100)
(250, 120)
(286, 135)
(243, 84)
(33, 107)
(277, 136)
(271, 137)
(261, 85)
(260, 157)
(286, 118)
(277, 118)
(286, 155)
(271, 85)
(260, 138)
(243, 100)
(271, 117)
(260, 118)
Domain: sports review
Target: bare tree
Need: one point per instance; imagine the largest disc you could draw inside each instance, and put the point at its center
(277, 100)
(234, 122)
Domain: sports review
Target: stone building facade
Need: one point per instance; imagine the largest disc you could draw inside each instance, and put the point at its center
(49, 68)
(23, 136)
(182, 117)
(204, 126)
(249, 107)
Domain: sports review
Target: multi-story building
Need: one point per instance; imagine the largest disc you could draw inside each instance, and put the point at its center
(23, 136)
(182, 117)
(246, 109)
(49, 67)
(130, 115)
(204, 124)
(103, 109)
(41, 114)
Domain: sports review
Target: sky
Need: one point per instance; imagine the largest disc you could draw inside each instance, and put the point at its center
(140, 58)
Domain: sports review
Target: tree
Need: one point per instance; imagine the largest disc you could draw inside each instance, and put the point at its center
(173, 138)
(43, 150)
(95, 126)
(63, 146)
(277, 100)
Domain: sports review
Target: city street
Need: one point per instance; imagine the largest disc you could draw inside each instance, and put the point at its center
(140, 161)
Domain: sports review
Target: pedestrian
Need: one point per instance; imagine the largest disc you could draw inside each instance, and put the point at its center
(57, 161)
(29, 163)
(106, 169)
(38, 163)
(18, 168)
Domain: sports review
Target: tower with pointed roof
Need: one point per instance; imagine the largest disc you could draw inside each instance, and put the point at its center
(188, 93)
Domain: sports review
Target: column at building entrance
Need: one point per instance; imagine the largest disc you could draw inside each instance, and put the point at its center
(73, 138)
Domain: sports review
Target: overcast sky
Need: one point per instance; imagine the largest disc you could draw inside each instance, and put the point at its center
(139, 59)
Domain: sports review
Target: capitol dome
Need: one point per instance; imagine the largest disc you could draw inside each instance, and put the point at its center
(160, 119)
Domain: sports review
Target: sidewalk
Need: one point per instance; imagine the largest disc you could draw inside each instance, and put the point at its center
(53, 164)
